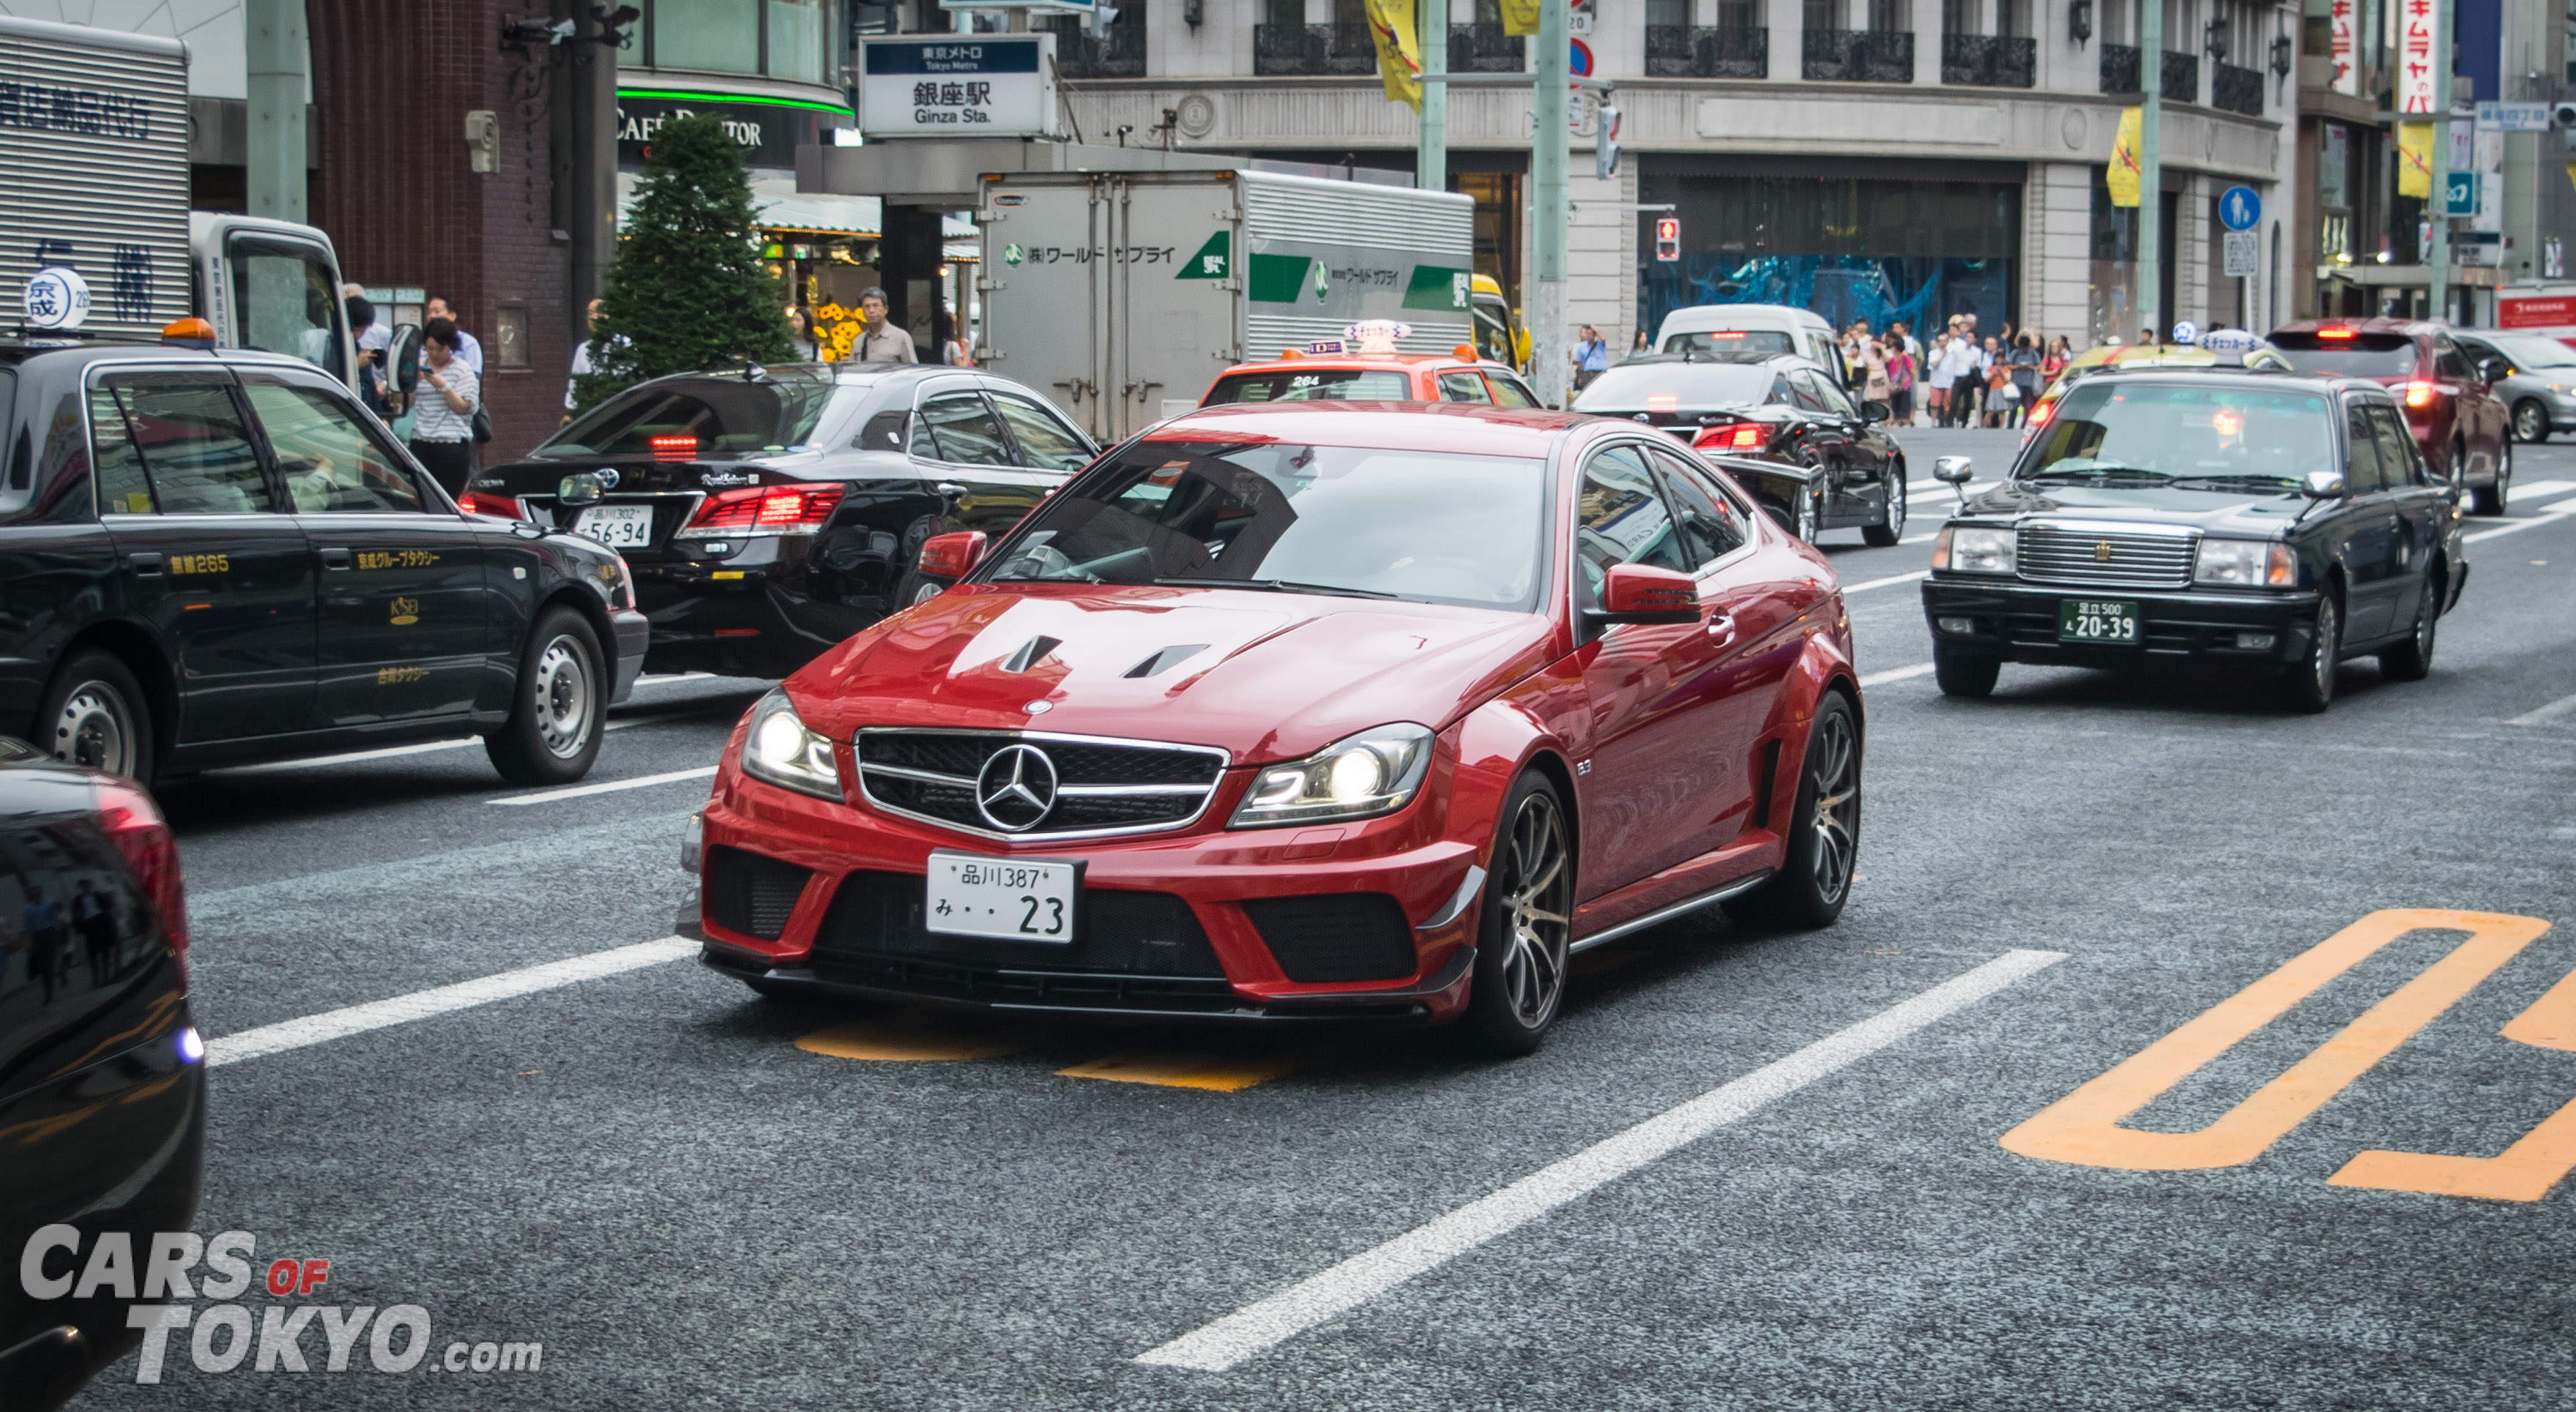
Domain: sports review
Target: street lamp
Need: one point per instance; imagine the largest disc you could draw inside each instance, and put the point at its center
(2079, 20)
(2214, 41)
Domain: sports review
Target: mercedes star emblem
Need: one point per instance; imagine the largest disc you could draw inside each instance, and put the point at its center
(1016, 789)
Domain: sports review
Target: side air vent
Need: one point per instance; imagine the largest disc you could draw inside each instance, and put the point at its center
(1165, 660)
(1031, 653)
(752, 893)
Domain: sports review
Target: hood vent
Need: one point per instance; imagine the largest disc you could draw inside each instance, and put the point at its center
(1031, 653)
(1165, 660)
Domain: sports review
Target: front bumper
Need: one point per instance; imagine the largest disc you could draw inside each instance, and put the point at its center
(838, 935)
(2017, 622)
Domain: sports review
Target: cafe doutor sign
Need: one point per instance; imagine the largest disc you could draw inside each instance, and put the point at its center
(770, 131)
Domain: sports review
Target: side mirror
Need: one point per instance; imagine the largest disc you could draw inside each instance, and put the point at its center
(580, 488)
(2326, 485)
(952, 556)
(1642, 593)
(402, 358)
(2494, 370)
(1954, 470)
(1876, 411)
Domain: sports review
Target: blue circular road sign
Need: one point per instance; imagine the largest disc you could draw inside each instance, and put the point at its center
(2240, 208)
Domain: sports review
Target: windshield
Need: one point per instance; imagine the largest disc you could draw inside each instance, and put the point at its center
(703, 419)
(1751, 343)
(1659, 385)
(1493, 333)
(2530, 350)
(1434, 527)
(2132, 435)
(2366, 355)
(1320, 385)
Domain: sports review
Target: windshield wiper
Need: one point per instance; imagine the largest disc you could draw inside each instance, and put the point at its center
(2097, 471)
(2249, 482)
(1275, 586)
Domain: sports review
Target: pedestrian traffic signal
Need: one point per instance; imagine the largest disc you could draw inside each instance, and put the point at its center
(1668, 238)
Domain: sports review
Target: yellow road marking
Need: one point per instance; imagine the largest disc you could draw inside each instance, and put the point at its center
(2523, 1172)
(2084, 1127)
(919, 1035)
(1217, 1073)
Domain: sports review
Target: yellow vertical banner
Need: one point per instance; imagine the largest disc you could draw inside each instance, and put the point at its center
(1519, 16)
(1399, 57)
(2415, 159)
(2123, 176)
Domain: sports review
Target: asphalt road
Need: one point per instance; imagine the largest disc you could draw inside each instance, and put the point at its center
(691, 1197)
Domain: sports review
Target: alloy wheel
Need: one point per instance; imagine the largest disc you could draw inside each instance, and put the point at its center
(96, 729)
(1537, 884)
(563, 692)
(2323, 652)
(1896, 502)
(2530, 421)
(1836, 759)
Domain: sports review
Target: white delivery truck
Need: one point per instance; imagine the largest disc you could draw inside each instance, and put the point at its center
(94, 179)
(1124, 294)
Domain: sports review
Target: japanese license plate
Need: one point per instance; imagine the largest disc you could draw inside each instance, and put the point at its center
(617, 526)
(1007, 899)
(2112, 622)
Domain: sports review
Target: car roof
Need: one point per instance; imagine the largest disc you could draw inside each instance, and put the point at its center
(1701, 318)
(1345, 362)
(139, 350)
(2412, 328)
(2250, 379)
(1466, 428)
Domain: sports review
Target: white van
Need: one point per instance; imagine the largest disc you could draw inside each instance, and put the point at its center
(1750, 328)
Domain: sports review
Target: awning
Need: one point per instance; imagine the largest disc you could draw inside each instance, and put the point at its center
(783, 208)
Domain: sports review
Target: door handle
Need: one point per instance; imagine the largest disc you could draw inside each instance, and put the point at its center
(146, 563)
(1721, 625)
(335, 558)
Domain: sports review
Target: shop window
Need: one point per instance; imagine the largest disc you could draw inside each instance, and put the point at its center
(704, 34)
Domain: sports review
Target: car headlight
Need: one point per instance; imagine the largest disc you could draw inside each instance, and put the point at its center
(1359, 777)
(1973, 549)
(778, 748)
(2245, 563)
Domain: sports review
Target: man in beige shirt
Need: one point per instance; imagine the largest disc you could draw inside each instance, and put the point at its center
(881, 342)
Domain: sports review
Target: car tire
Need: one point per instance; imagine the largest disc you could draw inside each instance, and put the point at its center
(1811, 514)
(2530, 421)
(2412, 660)
(1891, 526)
(1823, 853)
(1525, 927)
(2309, 686)
(96, 714)
(2491, 499)
(558, 705)
(1964, 674)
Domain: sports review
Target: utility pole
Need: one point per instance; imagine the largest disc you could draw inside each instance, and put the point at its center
(1549, 141)
(592, 208)
(274, 36)
(2151, 173)
(2437, 208)
(1431, 153)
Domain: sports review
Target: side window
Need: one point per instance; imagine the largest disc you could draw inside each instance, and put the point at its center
(1830, 393)
(1463, 387)
(2400, 462)
(884, 432)
(283, 294)
(2448, 361)
(1712, 525)
(1802, 391)
(1045, 443)
(1508, 391)
(959, 428)
(2361, 466)
(1620, 519)
(1780, 395)
(326, 457)
(173, 442)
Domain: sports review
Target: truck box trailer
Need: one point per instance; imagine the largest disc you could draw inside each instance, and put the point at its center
(1124, 294)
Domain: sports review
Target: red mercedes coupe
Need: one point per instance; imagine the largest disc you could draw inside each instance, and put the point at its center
(1334, 711)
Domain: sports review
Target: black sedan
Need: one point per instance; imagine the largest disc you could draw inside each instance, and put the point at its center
(102, 1074)
(1815, 456)
(768, 513)
(2266, 521)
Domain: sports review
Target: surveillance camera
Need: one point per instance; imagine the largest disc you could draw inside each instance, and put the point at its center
(2564, 114)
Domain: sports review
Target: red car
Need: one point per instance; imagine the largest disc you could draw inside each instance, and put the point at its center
(1321, 712)
(1459, 376)
(2462, 427)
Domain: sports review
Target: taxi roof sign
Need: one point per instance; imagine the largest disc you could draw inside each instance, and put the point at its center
(2229, 344)
(1377, 335)
(1326, 348)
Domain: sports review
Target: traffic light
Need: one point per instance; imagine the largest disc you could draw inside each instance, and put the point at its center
(1605, 156)
(1668, 238)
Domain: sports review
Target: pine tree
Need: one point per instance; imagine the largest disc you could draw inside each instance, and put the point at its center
(688, 288)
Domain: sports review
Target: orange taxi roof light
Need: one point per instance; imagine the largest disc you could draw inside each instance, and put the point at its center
(1285, 354)
(189, 332)
(1464, 350)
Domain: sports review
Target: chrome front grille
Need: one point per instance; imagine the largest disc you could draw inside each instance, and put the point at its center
(1036, 784)
(2103, 558)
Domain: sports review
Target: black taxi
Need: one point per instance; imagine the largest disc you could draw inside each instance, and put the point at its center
(2270, 521)
(214, 557)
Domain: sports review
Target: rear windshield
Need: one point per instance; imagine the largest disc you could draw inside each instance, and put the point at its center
(1321, 385)
(2367, 355)
(1754, 342)
(1662, 386)
(706, 419)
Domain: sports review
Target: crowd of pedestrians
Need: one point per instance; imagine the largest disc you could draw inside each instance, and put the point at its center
(1960, 378)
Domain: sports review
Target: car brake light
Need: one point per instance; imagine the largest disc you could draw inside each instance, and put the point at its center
(1727, 333)
(2337, 334)
(2420, 394)
(673, 448)
(505, 506)
(1742, 436)
(131, 822)
(765, 509)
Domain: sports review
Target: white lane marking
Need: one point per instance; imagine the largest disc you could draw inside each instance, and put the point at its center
(389, 752)
(1256, 1327)
(1919, 669)
(1885, 582)
(584, 791)
(2551, 516)
(421, 1004)
(657, 678)
(1919, 538)
(2543, 489)
(2545, 714)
